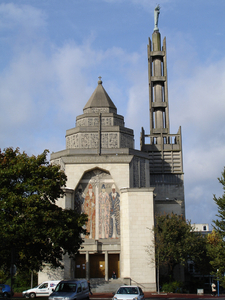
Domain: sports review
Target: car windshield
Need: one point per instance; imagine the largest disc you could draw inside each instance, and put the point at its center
(128, 290)
(66, 287)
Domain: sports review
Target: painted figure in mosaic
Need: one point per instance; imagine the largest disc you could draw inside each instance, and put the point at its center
(104, 213)
(89, 209)
(79, 200)
(114, 228)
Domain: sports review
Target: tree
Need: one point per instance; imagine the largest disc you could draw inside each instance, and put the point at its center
(33, 228)
(217, 238)
(176, 242)
(216, 250)
(220, 202)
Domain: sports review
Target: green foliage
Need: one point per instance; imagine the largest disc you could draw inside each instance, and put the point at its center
(21, 281)
(33, 227)
(219, 224)
(217, 238)
(172, 287)
(176, 242)
(216, 249)
(3, 276)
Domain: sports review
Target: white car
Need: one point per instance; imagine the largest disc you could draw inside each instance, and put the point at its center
(42, 290)
(127, 292)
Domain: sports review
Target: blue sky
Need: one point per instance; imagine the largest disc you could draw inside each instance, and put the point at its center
(53, 51)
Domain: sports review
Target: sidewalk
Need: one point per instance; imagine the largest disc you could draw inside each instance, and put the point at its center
(161, 295)
(147, 295)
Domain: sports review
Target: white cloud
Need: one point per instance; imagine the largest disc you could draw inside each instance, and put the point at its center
(145, 3)
(42, 92)
(25, 16)
(197, 104)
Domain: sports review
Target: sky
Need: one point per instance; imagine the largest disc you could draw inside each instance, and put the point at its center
(53, 51)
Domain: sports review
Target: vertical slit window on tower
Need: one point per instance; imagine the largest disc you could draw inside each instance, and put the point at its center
(164, 119)
(153, 94)
(163, 94)
(153, 120)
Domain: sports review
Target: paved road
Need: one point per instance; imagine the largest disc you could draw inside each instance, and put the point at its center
(173, 298)
(179, 298)
(148, 296)
(169, 297)
(155, 296)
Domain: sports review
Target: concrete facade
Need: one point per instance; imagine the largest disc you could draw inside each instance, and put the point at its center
(110, 181)
(120, 188)
(137, 213)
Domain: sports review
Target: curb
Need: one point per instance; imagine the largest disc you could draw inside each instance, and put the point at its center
(106, 296)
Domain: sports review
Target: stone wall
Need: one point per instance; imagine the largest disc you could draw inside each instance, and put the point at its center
(137, 220)
(91, 140)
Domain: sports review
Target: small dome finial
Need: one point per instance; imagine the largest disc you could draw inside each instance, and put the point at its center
(100, 80)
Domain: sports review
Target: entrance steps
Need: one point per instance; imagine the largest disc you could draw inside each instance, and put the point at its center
(99, 285)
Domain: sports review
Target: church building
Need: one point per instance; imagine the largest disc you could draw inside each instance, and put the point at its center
(119, 187)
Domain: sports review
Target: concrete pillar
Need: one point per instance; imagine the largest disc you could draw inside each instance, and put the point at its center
(106, 266)
(67, 268)
(158, 87)
(97, 189)
(87, 266)
(134, 258)
(69, 198)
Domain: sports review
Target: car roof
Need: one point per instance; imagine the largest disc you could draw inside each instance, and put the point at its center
(124, 286)
(73, 281)
(50, 281)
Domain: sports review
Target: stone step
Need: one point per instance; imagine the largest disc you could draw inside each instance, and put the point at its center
(99, 285)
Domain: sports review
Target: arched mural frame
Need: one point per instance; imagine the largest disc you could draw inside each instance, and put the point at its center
(97, 195)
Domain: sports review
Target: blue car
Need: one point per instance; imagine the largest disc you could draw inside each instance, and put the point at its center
(5, 290)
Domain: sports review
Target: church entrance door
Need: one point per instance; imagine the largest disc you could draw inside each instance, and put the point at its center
(80, 266)
(97, 266)
(114, 265)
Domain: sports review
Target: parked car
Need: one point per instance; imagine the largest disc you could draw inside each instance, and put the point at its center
(5, 290)
(42, 290)
(129, 292)
(71, 289)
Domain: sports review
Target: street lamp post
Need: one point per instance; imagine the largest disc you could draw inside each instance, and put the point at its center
(158, 274)
(218, 284)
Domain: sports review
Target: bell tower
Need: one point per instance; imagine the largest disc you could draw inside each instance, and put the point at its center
(164, 149)
(158, 91)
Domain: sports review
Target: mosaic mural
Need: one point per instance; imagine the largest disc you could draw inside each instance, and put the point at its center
(97, 196)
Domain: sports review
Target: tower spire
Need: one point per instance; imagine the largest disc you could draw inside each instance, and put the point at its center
(164, 149)
(158, 90)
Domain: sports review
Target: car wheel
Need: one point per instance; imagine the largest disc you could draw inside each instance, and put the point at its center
(32, 295)
(5, 295)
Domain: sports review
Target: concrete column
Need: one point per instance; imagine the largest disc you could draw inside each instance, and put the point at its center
(158, 89)
(67, 268)
(156, 41)
(97, 188)
(134, 258)
(69, 198)
(87, 266)
(106, 266)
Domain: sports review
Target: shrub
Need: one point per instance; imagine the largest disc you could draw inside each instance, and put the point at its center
(172, 287)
